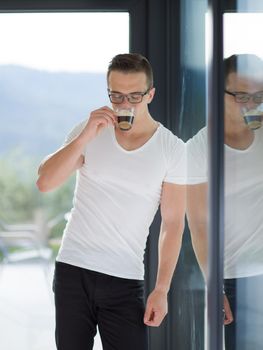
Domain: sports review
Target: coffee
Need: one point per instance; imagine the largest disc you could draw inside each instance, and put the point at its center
(125, 118)
(125, 122)
(253, 119)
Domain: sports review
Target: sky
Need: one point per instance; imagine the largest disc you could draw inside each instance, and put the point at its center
(86, 42)
(74, 42)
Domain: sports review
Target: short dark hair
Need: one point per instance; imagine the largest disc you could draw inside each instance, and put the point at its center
(244, 64)
(131, 63)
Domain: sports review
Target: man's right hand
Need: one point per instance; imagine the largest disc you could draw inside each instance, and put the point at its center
(228, 313)
(98, 120)
(56, 169)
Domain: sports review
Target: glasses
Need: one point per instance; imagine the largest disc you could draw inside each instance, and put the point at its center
(244, 97)
(134, 97)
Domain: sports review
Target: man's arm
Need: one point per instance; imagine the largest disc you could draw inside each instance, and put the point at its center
(56, 169)
(197, 217)
(173, 202)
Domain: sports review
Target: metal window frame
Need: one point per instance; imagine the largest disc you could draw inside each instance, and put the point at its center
(216, 177)
(136, 9)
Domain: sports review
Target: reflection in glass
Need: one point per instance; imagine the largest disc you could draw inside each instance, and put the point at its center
(243, 179)
(243, 262)
(243, 198)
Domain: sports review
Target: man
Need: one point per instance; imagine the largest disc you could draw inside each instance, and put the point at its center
(122, 178)
(243, 264)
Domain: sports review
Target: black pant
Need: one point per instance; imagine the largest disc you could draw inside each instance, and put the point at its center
(85, 299)
(245, 298)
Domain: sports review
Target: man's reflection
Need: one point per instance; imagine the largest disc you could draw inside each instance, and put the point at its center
(243, 265)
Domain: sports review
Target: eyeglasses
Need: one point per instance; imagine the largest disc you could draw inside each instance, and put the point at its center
(243, 97)
(134, 97)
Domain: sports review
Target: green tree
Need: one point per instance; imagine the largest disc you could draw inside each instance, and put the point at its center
(20, 197)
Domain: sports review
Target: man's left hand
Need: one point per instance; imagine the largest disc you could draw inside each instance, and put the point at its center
(156, 308)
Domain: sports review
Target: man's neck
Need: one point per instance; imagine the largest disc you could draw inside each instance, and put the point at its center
(238, 135)
(138, 135)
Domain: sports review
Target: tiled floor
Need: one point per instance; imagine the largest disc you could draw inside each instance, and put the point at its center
(26, 307)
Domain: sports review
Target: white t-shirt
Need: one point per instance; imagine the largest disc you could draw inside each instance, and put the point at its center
(243, 201)
(116, 198)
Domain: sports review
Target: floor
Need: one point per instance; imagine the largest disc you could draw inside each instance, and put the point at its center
(27, 308)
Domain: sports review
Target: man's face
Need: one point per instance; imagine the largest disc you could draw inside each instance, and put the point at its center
(130, 83)
(234, 84)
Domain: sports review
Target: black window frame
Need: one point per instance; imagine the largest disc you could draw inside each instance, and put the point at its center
(154, 32)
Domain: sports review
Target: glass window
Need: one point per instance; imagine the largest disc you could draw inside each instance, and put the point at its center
(52, 74)
(243, 262)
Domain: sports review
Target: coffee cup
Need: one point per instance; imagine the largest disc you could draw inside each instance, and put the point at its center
(253, 117)
(125, 117)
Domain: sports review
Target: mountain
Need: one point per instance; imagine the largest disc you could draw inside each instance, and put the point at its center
(39, 108)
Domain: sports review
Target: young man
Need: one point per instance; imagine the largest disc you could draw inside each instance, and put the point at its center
(243, 264)
(123, 176)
